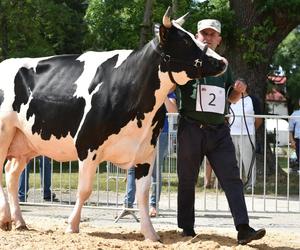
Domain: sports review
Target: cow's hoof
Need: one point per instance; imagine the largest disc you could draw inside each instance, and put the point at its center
(154, 238)
(22, 227)
(5, 226)
(69, 230)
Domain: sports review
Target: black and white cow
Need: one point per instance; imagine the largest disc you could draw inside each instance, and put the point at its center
(94, 107)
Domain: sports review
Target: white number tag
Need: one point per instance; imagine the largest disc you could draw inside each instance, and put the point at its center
(210, 99)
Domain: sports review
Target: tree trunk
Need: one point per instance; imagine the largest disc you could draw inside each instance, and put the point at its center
(174, 8)
(4, 35)
(247, 18)
(146, 26)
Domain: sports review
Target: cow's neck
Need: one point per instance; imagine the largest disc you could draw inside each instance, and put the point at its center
(149, 80)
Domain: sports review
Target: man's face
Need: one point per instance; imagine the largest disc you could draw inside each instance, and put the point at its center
(210, 37)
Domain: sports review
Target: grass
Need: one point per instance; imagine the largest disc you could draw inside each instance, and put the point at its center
(65, 177)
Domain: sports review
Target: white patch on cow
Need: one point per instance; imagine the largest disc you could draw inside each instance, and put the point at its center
(135, 144)
(92, 60)
(123, 54)
(180, 77)
(33, 62)
(87, 108)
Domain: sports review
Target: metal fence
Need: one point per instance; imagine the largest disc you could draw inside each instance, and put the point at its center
(275, 192)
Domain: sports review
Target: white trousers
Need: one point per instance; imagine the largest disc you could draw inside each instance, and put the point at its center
(244, 153)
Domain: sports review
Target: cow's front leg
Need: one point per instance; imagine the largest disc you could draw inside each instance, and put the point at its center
(13, 170)
(5, 217)
(85, 182)
(143, 185)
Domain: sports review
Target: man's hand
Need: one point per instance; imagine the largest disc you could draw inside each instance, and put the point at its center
(239, 86)
(293, 144)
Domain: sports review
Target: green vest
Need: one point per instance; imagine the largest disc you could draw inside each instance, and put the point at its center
(186, 94)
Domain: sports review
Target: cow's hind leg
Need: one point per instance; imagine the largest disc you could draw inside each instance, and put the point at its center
(13, 169)
(85, 182)
(143, 185)
(6, 135)
(5, 217)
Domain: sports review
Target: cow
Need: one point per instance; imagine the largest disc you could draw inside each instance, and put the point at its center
(94, 107)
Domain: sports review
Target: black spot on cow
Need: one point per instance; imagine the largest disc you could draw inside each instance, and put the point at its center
(104, 69)
(24, 84)
(158, 119)
(141, 170)
(127, 93)
(51, 88)
(56, 118)
(139, 117)
(1, 96)
(94, 157)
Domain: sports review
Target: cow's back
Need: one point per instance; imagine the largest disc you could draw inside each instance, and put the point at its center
(83, 99)
(49, 89)
(38, 99)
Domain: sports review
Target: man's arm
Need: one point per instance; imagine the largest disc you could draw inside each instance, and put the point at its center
(258, 122)
(291, 133)
(171, 106)
(291, 139)
(239, 87)
(257, 111)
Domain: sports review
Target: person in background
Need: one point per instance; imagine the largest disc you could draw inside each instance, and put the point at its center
(170, 104)
(242, 132)
(45, 173)
(209, 178)
(202, 131)
(294, 130)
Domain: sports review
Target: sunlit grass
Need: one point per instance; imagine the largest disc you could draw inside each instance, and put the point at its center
(65, 177)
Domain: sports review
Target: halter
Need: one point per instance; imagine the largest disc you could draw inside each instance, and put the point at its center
(167, 59)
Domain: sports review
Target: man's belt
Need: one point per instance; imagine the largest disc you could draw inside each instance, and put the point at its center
(203, 125)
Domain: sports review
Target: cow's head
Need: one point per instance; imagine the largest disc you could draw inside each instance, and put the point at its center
(182, 53)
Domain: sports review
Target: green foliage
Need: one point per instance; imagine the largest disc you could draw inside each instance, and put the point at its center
(39, 28)
(63, 26)
(271, 6)
(122, 29)
(114, 24)
(255, 40)
(288, 57)
(216, 9)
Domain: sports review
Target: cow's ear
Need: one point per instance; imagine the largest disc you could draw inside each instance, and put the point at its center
(156, 29)
(163, 33)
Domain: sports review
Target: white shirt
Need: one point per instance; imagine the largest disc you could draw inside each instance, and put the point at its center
(238, 126)
(294, 124)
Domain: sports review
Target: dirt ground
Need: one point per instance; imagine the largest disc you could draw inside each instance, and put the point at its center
(123, 238)
(46, 231)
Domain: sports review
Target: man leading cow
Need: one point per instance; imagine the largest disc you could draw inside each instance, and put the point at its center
(203, 131)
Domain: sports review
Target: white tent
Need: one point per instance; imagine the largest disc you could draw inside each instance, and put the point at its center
(281, 127)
